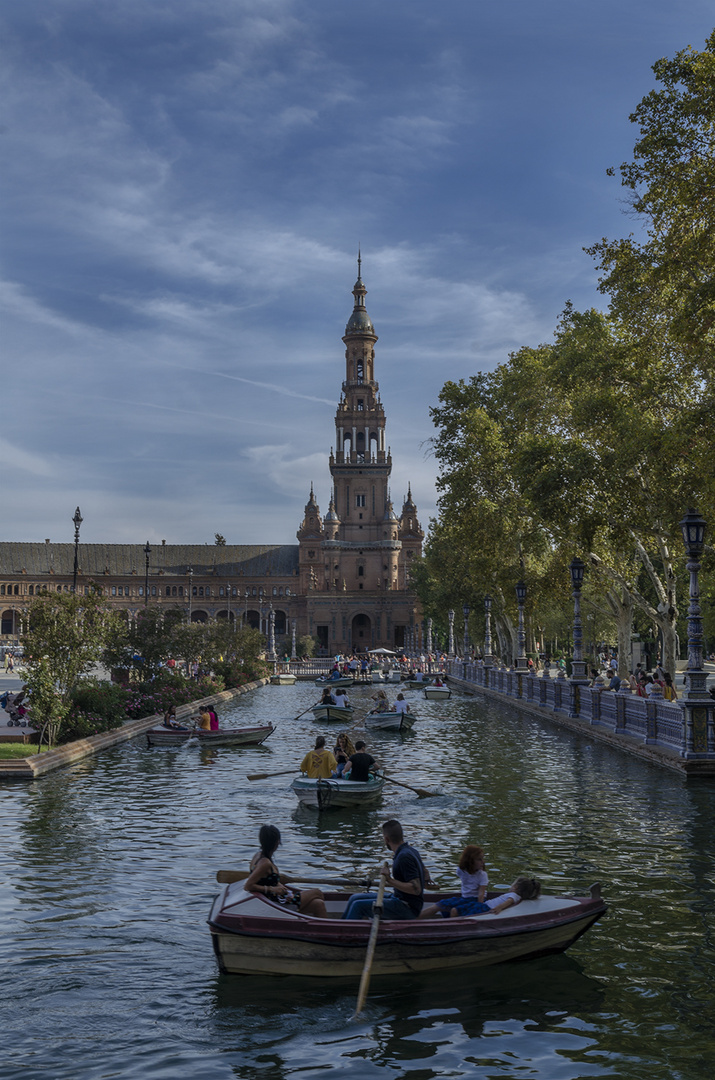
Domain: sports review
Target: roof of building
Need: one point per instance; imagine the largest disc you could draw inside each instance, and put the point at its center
(250, 560)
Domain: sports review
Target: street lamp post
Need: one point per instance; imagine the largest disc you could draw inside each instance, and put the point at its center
(77, 520)
(293, 654)
(578, 666)
(147, 553)
(465, 651)
(271, 634)
(698, 734)
(488, 658)
(245, 613)
(450, 616)
(190, 572)
(429, 634)
(521, 664)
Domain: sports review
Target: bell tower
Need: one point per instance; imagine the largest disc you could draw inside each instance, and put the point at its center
(354, 563)
(360, 466)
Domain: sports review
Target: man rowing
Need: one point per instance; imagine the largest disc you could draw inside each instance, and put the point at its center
(407, 880)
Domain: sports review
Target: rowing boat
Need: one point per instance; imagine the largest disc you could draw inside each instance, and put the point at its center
(334, 793)
(344, 680)
(389, 721)
(417, 684)
(247, 736)
(437, 693)
(283, 678)
(333, 712)
(253, 935)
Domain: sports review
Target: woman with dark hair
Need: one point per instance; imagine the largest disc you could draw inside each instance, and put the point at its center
(266, 880)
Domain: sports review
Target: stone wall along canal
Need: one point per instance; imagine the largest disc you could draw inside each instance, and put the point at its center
(108, 870)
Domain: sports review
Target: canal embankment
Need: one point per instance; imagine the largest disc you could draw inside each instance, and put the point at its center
(36, 765)
(540, 705)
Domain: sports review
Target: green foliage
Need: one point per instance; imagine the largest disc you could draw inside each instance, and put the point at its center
(664, 286)
(305, 645)
(67, 635)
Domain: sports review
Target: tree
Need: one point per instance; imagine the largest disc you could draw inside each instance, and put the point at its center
(147, 642)
(583, 446)
(220, 540)
(66, 637)
(663, 286)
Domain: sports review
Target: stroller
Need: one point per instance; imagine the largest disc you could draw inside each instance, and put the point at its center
(16, 709)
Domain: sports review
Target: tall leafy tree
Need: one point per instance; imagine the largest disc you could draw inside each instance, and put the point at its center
(66, 636)
(663, 283)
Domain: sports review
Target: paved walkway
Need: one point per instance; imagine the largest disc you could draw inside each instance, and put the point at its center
(13, 683)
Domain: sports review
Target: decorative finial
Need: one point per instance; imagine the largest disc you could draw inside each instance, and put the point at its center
(359, 263)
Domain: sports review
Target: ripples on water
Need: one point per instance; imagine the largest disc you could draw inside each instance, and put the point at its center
(110, 868)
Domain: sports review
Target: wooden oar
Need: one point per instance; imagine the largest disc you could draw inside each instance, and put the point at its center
(263, 775)
(422, 792)
(306, 710)
(372, 942)
(227, 877)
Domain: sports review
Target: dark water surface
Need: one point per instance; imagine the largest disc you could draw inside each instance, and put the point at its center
(108, 871)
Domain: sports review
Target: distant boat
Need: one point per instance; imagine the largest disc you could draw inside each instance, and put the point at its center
(390, 721)
(437, 693)
(334, 793)
(283, 678)
(247, 736)
(333, 712)
(343, 680)
(417, 684)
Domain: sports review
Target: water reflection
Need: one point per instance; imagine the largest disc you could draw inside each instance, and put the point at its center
(111, 865)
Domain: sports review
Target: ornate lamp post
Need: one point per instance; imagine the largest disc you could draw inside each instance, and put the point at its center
(488, 658)
(521, 664)
(245, 613)
(190, 572)
(698, 736)
(271, 634)
(578, 665)
(293, 654)
(147, 553)
(465, 650)
(77, 521)
(450, 616)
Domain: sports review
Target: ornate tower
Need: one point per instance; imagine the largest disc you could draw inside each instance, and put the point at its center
(362, 575)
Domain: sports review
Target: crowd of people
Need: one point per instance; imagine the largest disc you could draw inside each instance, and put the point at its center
(407, 877)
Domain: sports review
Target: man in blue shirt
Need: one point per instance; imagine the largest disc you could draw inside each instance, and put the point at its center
(407, 880)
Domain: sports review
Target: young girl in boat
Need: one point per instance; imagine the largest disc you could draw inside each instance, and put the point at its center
(473, 874)
(524, 888)
(265, 878)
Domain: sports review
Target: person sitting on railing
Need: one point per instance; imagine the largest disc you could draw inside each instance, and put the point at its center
(669, 691)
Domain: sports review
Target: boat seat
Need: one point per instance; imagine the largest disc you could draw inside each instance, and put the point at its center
(530, 907)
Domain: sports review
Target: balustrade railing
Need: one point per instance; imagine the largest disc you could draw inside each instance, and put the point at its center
(651, 720)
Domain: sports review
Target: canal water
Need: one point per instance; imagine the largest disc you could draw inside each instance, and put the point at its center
(108, 871)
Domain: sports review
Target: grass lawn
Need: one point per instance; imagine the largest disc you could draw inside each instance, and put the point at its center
(18, 750)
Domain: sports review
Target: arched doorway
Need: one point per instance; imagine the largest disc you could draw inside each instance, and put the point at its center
(8, 622)
(361, 636)
(199, 616)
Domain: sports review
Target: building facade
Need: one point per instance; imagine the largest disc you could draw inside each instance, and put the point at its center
(346, 582)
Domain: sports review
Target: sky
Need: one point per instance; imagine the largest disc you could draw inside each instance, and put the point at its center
(185, 185)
